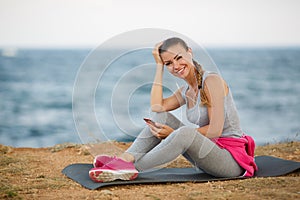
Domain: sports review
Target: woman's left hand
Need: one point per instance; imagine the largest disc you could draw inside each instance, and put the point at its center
(160, 131)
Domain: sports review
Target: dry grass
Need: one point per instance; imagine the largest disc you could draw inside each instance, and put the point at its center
(29, 173)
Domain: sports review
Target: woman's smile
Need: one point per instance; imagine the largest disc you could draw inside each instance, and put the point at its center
(180, 71)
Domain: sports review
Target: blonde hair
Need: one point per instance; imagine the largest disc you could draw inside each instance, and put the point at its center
(199, 76)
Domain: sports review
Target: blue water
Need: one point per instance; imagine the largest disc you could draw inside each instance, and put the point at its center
(36, 94)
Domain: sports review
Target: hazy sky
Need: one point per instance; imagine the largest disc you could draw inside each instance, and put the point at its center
(87, 23)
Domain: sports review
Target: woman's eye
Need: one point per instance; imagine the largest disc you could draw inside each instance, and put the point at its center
(167, 64)
(179, 57)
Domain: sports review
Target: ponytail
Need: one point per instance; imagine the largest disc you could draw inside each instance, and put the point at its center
(199, 77)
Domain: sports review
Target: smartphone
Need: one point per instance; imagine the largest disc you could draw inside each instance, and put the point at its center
(149, 121)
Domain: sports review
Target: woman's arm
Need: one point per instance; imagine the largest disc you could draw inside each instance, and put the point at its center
(157, 89)
(216, 89)
(158, 103)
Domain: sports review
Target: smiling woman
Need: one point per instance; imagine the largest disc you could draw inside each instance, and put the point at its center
(217, 146)
(178, 58)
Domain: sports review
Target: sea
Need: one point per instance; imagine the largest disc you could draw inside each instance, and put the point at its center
(40, 94)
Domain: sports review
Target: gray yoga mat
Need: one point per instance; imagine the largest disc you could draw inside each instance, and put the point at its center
(267, 166)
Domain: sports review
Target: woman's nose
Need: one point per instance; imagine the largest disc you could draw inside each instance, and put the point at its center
(175, 64)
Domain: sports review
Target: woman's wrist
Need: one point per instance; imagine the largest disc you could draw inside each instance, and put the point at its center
(159, 65)
(159, 69)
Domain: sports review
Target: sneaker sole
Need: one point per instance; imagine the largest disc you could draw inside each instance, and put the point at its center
(106, 175)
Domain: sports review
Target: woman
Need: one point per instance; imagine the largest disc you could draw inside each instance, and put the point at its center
(218, 146)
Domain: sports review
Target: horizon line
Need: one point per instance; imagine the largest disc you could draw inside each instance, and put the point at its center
(221, 46)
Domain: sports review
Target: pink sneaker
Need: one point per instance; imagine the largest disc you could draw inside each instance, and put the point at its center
(101, 160)
(113, 170)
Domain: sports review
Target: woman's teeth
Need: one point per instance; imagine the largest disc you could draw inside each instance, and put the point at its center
(181, 70)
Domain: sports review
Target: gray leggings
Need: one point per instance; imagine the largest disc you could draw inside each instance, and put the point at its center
(150, 152)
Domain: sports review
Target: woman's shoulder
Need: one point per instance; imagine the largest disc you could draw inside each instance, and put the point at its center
(215, 81)
(211, 77)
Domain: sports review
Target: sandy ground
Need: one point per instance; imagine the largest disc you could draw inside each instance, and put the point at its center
(35, 173)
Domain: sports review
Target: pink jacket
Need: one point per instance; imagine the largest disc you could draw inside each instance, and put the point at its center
(242, 150)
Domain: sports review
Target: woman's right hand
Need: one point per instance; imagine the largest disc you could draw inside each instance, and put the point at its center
(156, 55)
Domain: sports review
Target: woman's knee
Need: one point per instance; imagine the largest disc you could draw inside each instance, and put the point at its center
(184, 133)
(161, 117)
(167, 119)
(187, 131)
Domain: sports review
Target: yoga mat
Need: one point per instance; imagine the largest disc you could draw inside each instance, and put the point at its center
(268, 166)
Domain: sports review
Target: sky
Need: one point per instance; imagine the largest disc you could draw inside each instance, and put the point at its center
(88, 23)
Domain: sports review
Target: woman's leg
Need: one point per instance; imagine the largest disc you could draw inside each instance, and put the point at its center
(146, 141)
(115, 168)
(200, 150)
(211, 158)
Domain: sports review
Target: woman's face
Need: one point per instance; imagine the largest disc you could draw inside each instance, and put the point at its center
(178, 60)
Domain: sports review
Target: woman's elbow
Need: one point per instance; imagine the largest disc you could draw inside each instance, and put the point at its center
(157, 108)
